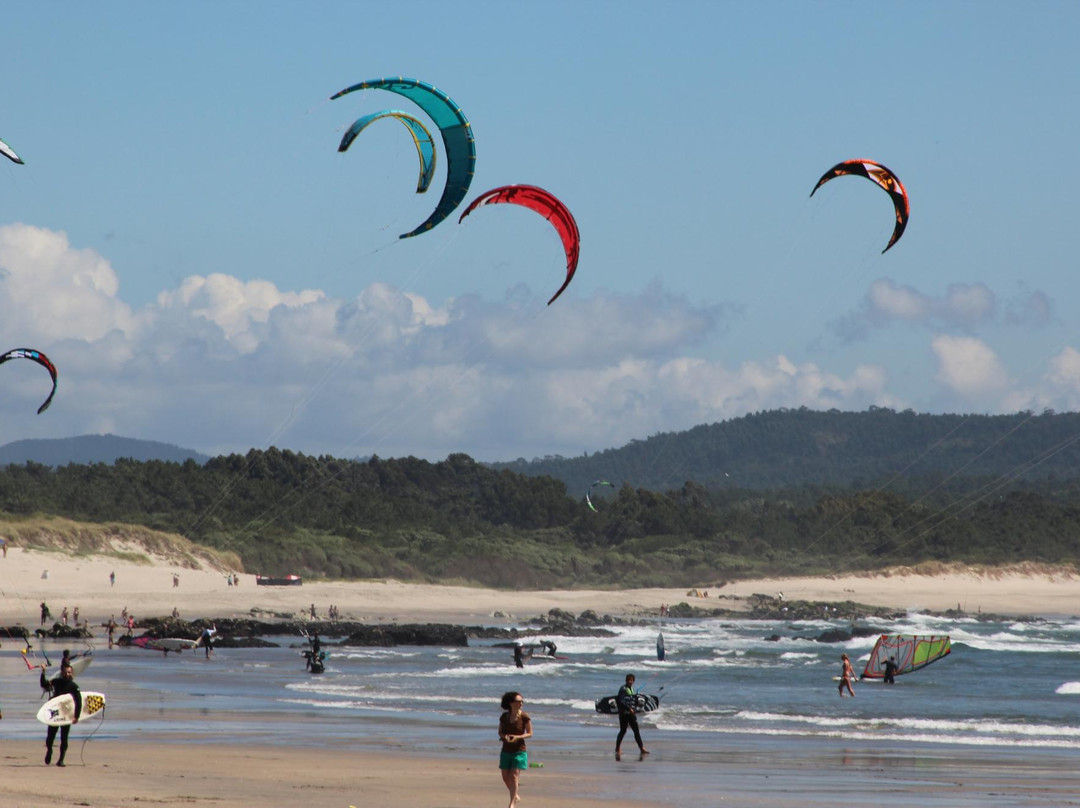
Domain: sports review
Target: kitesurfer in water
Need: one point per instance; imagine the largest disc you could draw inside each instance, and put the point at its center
(890, 671)
(61, 685)
(627, 716)
(519, 655)
(847, 673)
(514, 727)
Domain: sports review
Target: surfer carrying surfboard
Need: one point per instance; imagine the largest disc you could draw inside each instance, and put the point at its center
(64, 684)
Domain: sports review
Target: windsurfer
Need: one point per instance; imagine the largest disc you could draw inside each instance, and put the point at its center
(890, 671)
(847, 673)
(627, 716)
(61, 685)
(514, 727)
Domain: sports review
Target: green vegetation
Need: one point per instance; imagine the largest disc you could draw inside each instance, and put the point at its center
(278, 512)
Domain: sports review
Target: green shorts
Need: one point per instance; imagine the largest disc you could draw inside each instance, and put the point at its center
(513, 760)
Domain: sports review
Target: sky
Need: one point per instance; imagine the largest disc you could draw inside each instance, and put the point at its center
(204, 268)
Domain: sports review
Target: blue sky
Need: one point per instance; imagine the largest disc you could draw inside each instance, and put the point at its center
(205, 269)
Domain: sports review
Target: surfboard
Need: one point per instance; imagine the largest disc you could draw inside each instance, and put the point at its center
(642, 704)
(60, 712)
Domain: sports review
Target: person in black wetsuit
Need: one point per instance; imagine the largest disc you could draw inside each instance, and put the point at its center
(61, 685)
(627, 716)
(519, 655)
(890, 671)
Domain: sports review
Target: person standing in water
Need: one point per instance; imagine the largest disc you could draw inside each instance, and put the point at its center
(514, 727)
(847, 673)
(627, 716)
(890, 671)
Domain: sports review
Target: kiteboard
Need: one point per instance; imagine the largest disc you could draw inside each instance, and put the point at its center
(60, 712)
(609, 705)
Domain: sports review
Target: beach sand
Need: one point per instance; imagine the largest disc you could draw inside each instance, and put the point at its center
(111, 774)
(106, 772)
(29, 577)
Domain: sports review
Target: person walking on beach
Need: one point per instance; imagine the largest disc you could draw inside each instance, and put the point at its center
(627, 716)
(514, 727)
(847, 673)
(64, 684)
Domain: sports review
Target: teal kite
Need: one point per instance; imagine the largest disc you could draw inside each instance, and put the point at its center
(425, 146)
(458, 142)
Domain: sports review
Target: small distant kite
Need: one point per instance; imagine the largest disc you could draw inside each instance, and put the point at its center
(588, 497)
(425, 146)
(458, 143)
(41, 359)
(877, 173)
(546, 205)
(9, 153)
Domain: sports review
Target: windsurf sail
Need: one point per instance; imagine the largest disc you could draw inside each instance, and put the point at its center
(910, 652)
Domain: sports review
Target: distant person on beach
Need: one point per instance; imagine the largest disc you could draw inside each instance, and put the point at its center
(847, 673)
(112, 579)
(110, 628)
(45, 614)
(514, 727)
(890, 671)
(64, 684)
(627, 716)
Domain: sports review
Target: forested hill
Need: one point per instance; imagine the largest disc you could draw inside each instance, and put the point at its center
(458, 520)
(793, 448)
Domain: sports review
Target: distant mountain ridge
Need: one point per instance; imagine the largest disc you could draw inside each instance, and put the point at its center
(780, 449)
(88, 449)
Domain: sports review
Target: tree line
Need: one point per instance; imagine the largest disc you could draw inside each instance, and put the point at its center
(459, 520)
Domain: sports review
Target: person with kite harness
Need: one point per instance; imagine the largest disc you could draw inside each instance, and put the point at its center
(64, 684)
(627, 717)
(514, 727)
(890, 671)
(847, 673)
(519, 655)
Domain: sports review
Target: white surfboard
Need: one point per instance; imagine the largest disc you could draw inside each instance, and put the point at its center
(60, 711)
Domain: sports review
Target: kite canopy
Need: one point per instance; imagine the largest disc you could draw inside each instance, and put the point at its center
(911, 652)
(9, 153)
(41, 359)
(425, 146)
(588, 494)
(550, 208)
(876, 173)
(456, 134)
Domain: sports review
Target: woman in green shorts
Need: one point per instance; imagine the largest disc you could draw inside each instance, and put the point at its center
(514, 727)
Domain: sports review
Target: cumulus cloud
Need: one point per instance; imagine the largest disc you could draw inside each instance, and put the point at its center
(964, 307)
(968, 366)
(222, 364)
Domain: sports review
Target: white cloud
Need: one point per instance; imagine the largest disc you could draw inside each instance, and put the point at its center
(964, 307)
(968, 366)
(221, 364)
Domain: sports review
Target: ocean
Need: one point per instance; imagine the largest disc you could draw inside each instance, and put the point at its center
(736, 695)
